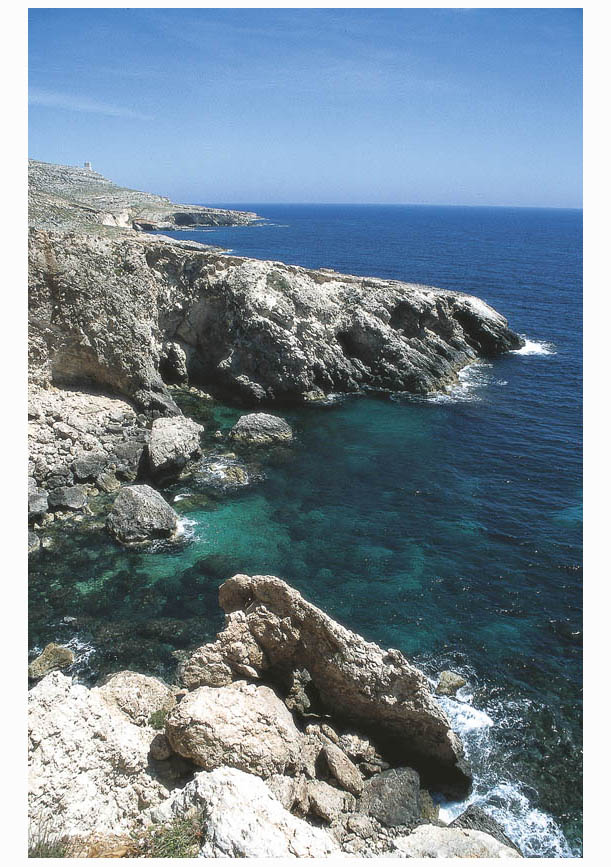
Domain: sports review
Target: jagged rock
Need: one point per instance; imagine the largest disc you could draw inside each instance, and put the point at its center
(258, 428)
(128, 458)
(221, 472)
(478, 820)
(241, 725)
(33, 542)
(38, 504)
(375, 690)
(429, 841)
(73, 498)
(139, 514)
(173, 364)
(88, 762)
(242, 819)
(344, 771)
(449, 683)
(392, 797)
(326, 802)
(89, 465)
(137, 696)
(54, 656)
(173, 443)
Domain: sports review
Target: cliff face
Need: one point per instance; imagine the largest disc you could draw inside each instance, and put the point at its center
(105, 309)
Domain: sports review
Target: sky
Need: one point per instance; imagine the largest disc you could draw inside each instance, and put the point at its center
(414, 106)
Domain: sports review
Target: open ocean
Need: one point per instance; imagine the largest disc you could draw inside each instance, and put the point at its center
(449, 527)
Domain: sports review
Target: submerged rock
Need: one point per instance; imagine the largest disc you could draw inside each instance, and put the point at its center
(54, 656)
(259, 428)
(173, 443)
(429, 841)
(241, 818)
(272, 632)
(241, 725)
(140, 514)
(449, 683)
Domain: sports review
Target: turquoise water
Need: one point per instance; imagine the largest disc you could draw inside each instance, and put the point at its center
(448, 527)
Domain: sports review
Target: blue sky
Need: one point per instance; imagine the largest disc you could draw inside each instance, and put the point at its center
(431, 106)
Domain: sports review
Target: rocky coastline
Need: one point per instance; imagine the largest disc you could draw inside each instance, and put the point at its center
(288, 735)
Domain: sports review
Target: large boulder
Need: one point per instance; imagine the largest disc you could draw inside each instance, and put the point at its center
(174, 442)
(137, 696)
(376, 690)
(429, 841)
(241, 725)
(241, 818)
(89, 764)
(392, 797)
(140, 514)
(259, 428)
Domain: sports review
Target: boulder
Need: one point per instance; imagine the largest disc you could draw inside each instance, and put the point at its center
(392, 797)
(258, 428)
(449, 683)
(326, 802)
(89, 465)
(241, 725)
(345, 772)
(478, 820)
(38, 503)
(137, 696)
(54, 656)
(241, 818)
(429, 841)
(375, 690)
(33, 542)
(71, 497)
(140, 514)
(173, 443)
(89, 765)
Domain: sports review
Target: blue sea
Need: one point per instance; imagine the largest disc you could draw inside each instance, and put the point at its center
(449, 527)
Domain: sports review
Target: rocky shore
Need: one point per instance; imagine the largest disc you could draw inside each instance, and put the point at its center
(288, 735)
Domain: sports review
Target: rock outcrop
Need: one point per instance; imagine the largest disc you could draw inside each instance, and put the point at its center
(241, 818)
(242, 726)
(89, 764)
(140, 514)
(272, 633)
(478, 820)
(429, 841)
(137, 696)
(53, 656)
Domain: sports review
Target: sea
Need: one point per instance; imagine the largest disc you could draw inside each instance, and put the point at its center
(448, 526)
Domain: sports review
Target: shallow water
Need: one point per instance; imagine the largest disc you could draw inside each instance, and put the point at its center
(449, 527)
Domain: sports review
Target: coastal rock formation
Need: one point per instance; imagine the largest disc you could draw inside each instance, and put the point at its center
(173, 443)
(241, 725)
(129, 312)
(272, 632)
(478, 820)
(137, 696)
(140, 514)
(392, 797)
(54, 656)
(242, 819)
(259, 428)
(89, 765)
(449, 683)
(429, 841)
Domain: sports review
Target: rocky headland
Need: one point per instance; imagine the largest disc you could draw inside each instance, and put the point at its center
(288, 735)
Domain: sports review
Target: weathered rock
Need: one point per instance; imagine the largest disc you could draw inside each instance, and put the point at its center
(160, 748)
(33, 542)
(88, 762)
(137, 696)
(139, 514)
(242, 819)
(258, 428)
(478, 820)
(241, 725)
(429, 841)
(327, 802)
(72, 498)
(173, 443)
(392, 797)
(449, 683)
(375, 690)
(89, 465)
(344, 771)
(38, 504)
(54, 656)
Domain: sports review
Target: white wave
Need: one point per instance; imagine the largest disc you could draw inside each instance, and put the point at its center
(472, 379)
(535, 347)
(186, 528)
(179, 497)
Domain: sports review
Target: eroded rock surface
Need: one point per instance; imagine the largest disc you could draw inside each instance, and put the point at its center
(173, 443)
(271, 632)
(137, 696)
(429, 841)
(259, 428)
(53, 657)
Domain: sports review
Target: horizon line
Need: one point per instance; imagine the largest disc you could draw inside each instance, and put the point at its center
(396, 205)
